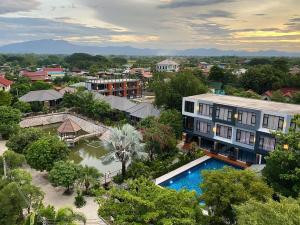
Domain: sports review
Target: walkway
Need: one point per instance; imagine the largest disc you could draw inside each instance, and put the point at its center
(55, 196)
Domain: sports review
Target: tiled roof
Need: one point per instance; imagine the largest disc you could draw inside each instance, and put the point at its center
(41, 96)
(287, 92)
(69, 126)
(144, 110)
(57, 69)
(5, 82)
(34, 76)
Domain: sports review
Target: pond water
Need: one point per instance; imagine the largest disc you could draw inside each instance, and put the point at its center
(88, 152)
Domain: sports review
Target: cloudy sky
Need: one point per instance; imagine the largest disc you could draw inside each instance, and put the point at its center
(170, 24)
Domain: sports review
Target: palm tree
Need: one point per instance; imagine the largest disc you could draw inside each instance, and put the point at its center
(123, 144)
(64, 216)
(88, 177)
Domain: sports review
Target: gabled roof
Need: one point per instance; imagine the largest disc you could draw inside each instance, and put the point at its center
(67, 89)
(5, 82)
(144, 110)
(34, 76)
(41, 96)
(69, 126)
(168, 62)
(287, 92)
(116, 102)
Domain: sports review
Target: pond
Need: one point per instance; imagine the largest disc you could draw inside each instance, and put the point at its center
(87, 152)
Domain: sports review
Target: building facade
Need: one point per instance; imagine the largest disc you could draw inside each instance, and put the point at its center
(130, 88)
(239, 128)
(167, 66)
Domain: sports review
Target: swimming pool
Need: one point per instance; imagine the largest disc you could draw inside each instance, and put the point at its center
(192, 178)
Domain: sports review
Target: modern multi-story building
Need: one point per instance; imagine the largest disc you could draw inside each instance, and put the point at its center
(130, 88)
(240, 128)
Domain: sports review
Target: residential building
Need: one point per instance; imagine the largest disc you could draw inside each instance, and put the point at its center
(135, 112)
(48, 98)
(35, 76)
(130, 88)
(295, 70)
(167, 66)
(240, 128)
(4, 83)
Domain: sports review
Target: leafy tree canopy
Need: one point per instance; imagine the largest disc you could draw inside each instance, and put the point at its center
(9, 120)
(5, 98)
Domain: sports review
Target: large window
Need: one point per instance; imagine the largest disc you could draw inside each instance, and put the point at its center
(188, 123)
(247, 118)
(189, 107)
(273, 122)
(205, 109)
(267, 143)
(203, 127)
(245, 137)
(223, 113)
(224, 131)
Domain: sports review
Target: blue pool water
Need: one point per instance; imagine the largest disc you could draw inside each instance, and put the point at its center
(192, 178)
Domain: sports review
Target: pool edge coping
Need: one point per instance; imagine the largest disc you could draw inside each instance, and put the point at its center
(181, 169)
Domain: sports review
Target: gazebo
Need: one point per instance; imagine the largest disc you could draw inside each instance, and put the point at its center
(68, 130)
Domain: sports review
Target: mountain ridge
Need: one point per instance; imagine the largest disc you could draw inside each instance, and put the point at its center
(49, 46)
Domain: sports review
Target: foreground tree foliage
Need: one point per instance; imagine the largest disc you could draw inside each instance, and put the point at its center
(146, 203)
(173, 119)
(16, 195)
(13, 160)
(283, 164)
(19, 141)
(286, 212)
(9, 120)
(5, 98)
(170, 93)
(43, 153)
(48, 215)
(89, 176)
(222, 189)
(64, 174)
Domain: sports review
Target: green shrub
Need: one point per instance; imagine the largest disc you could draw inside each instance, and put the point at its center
(79, 200)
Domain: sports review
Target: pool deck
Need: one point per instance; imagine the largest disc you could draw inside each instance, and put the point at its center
(226, 159)
(181, 169)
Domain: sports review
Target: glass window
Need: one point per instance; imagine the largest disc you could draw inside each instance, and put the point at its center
(224, 131)
(273, 122)
(267, 143)
(247, 118)
(245, 137)
(203, 127)
(189, 123)
(205, 109)
(189, 107)
(223, 113)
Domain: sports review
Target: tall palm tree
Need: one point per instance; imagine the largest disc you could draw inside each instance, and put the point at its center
(123, 144)
(89, 176)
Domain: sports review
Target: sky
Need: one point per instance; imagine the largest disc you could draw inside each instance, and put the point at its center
(168, 24)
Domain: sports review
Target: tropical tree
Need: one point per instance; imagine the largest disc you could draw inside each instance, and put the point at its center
(143, 202)
(64, 216)
(64, 174)
(222, 189)
(283, 164)
(160, 140)
(13, 160)
(24, 107)
(9, 120)
(173, 119)
(88, 177)
(123, 144)
(19, 141)
(5, 98)
(40, 85)
(43, 153)
(286, 212)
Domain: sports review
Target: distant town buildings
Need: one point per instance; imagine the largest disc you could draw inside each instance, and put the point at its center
(286, 92)
(45, 74)
(130, 88)
(295, 70)
(143, 73)
(167, 66)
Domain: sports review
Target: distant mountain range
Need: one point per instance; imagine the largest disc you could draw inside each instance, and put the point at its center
(49, 46)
